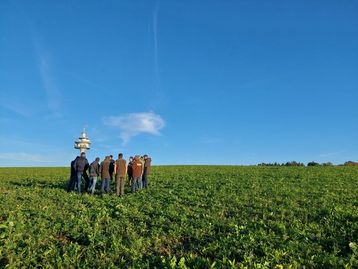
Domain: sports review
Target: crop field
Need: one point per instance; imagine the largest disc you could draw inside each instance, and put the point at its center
(190, 217)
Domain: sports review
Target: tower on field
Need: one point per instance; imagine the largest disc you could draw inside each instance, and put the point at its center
(83, 143)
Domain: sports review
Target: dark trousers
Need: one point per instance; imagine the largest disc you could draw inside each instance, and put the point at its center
(145, 180)
(71, 184)
(87, 181)
(130, 177)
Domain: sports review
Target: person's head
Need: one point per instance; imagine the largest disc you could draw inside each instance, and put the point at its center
(137, 158)
(97, 159)
(120, 155)
(110, 157)
(145, 156)
(131, 158)
(83, 154)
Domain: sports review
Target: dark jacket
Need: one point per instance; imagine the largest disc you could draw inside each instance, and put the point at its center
(94, 169)
(111, 167)
(73, 171)
(147, 165)
(129, 170)
(81, 164)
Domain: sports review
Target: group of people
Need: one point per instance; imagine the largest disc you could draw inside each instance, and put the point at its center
(137, 170)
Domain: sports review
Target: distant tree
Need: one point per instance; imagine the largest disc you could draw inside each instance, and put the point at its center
(313, 164)
(269, 164)
(294, 163)
(350, 163)
(327, 164)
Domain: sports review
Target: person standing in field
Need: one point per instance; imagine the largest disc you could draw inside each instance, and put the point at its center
(141, 180)
(129, 171)
(142, 160)
(106, 178)
(137, 170)
(80, 166)
(94, 174)
(146, 170)
(73, 177)
(120, 169)
(111, 167)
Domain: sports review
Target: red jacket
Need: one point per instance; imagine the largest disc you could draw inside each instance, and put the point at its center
(137, 168)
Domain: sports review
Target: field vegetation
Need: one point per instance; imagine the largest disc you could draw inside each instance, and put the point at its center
(191, 217)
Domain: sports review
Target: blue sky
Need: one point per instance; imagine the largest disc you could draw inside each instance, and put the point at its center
(188, 82)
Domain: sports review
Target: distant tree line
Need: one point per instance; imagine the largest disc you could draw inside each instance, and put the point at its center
(350, 163)
(294, 163)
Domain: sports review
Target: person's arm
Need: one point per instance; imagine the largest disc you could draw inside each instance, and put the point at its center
(75, 165)
(115, 168)
(86, 165)
(98, 170)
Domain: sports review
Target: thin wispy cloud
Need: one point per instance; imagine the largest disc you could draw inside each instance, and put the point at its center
(210, 140)
(134, 124)
(53, 94)
(18, 107)
(159, 94)
(19, 151)
(331, 154)
(23, 157)
(155, 43)
(84, 80)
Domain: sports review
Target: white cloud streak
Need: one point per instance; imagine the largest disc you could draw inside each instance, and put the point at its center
(53, 94)
(23, 157)
(15, 151)
(155, 43)
(134, 124)
(19, 107)
(27, 158)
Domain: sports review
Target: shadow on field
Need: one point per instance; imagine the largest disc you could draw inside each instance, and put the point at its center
(25, 183)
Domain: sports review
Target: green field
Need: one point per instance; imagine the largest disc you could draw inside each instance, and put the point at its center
(191, 217)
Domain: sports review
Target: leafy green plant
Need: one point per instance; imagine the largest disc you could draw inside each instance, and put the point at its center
(190, 217)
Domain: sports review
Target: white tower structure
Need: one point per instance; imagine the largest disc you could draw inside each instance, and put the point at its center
(83, 143)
